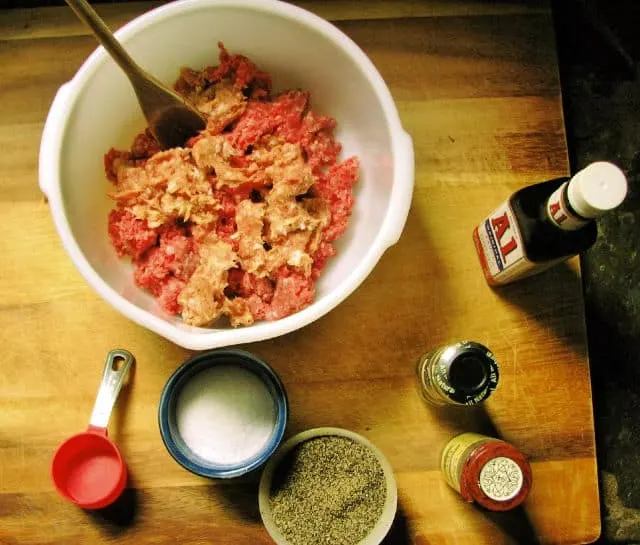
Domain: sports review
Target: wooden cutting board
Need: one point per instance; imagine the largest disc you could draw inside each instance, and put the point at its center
(477, 87)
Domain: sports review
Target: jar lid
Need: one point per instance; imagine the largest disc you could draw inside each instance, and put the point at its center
(470, 372)
(497, 476)
(596, 189)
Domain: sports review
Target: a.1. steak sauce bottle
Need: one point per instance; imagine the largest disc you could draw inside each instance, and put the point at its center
(548, 222)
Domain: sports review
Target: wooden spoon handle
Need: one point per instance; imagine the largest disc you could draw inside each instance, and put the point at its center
(101, 31)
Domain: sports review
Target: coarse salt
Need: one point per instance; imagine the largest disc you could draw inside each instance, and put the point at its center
(225, 414)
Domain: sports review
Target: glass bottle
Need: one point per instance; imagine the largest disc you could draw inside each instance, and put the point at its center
(463, 373)
(545, 223)
(487, 471)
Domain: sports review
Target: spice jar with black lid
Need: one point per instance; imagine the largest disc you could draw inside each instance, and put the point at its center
(463, 373)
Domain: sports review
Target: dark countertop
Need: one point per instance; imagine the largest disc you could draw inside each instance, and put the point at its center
(599, 54)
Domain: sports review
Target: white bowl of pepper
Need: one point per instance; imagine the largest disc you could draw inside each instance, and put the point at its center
(328, 486)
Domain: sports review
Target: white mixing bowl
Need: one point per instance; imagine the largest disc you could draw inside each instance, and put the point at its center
(97, 109)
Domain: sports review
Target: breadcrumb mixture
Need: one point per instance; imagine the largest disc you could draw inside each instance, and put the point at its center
(241, 221)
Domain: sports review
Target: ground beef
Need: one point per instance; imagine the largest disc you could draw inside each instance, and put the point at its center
(241, 221)
(129, 235)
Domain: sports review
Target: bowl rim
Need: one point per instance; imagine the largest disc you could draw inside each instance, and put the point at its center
(186, 372)
(381, 528)
(191, 337)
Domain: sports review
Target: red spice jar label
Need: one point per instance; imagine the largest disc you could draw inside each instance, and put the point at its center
(487, 471)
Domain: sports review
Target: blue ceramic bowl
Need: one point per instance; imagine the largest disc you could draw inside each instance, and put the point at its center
(167, 412)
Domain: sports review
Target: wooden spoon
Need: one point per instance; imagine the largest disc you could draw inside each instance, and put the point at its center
(171, 120)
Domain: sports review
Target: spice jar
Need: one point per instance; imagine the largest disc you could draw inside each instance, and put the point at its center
(487, 471)
(464, 373)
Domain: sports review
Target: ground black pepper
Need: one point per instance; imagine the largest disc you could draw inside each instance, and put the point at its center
(328, 490)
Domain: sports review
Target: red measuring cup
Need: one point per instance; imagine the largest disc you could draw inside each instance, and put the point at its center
(88, 469)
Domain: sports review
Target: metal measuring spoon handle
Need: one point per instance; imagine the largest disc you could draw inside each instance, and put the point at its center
(110, 386)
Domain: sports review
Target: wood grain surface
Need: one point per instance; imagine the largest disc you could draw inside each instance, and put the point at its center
(477, 87)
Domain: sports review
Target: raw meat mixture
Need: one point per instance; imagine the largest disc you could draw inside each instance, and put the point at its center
(241, 221)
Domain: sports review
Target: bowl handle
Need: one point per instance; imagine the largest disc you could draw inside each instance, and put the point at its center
(402, 191)
(52, 138)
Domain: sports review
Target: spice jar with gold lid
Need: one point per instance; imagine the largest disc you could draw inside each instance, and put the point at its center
(487, 471)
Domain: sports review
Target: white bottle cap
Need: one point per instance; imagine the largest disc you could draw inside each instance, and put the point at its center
(597, 188)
